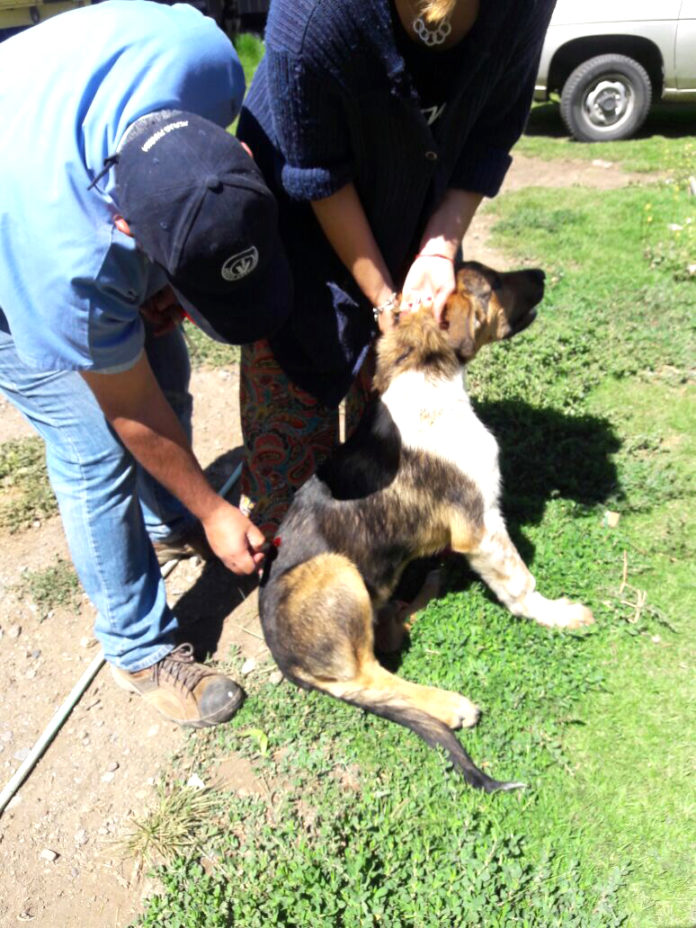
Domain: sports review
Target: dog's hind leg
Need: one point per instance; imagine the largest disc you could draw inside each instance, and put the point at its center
(326, 619)
(497, 561)
(322, 638)
(375, 688)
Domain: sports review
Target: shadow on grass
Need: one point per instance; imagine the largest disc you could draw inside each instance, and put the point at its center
(671, 120)
(202, 609)
(544, 454)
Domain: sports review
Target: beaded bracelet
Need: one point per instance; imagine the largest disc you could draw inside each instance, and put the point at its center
(385, 307)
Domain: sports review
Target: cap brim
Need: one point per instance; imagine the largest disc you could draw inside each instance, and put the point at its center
(255, 309)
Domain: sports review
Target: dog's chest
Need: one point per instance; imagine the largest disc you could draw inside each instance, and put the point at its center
(436, 417)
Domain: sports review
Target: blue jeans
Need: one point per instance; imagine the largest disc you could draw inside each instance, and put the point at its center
(111, 508)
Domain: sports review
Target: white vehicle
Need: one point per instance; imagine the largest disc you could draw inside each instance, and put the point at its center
(609, 59)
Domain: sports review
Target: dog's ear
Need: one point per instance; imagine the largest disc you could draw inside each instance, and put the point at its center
(459, 322)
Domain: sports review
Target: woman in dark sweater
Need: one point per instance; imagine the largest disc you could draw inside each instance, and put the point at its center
(380, 125)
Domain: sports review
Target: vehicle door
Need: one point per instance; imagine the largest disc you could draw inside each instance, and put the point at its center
(685, 52)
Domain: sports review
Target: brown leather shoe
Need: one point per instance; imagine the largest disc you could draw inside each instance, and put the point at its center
(183, 690)
(190, 544)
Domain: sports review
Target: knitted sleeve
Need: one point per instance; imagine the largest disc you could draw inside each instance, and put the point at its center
(310, 126)
(482, 165)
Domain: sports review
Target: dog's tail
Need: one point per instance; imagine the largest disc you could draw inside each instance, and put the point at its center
(435, 734)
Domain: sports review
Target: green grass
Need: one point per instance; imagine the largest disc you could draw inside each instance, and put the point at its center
(665, 143)
(51, 587)
(26, 492)
(250, 50)
(357, 823)
(205, 351)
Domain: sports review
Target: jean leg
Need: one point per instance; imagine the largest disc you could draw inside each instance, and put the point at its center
(94, 479)
(165, 516)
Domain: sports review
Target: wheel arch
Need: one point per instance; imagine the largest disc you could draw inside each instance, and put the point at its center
(573, 53)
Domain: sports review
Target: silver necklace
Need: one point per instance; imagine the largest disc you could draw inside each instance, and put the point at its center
(431, 35)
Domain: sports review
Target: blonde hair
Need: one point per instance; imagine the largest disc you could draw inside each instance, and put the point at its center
(436, 10)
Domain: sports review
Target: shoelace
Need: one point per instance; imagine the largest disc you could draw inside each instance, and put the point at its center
(180, 665)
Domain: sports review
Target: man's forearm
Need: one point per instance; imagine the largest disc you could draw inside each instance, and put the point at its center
(171, 461)
(139, 413)
(147, 425)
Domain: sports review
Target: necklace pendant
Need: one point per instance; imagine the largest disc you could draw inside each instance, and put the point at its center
(431, 36)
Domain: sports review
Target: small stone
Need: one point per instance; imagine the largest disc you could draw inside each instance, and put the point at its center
(152, 731)
(30, 674)
(107, 777)
(36, 654)
(21, 754)
(600, 163)
(248, 666)
(6, 735)
(48, 854)
(81, 837)
(195, 782)
(276, 677)
(14, 631)
(611, 519)
(656, 639)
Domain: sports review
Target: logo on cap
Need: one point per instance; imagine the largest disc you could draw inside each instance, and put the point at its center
(241, 264)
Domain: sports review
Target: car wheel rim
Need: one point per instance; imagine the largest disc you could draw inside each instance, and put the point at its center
(608, 103)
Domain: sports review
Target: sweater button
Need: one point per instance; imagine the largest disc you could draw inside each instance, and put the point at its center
(431, 155)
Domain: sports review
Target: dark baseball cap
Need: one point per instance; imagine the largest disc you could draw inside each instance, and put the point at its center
(198, 206)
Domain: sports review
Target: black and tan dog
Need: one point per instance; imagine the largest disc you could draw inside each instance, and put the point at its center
(420, 475)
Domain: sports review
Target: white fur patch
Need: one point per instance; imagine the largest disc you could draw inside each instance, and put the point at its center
(436, 416)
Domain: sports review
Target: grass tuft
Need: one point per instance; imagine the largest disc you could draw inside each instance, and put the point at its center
(183, 822)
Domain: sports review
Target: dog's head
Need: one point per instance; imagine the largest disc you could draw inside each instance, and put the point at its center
(487, 306)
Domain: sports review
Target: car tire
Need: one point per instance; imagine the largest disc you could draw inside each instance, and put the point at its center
(606, 98)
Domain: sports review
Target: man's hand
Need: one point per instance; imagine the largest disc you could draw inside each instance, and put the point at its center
(235, 539)
(162, 311)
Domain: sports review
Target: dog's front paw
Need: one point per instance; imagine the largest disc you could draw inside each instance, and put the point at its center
(572, 615)
(559, 613)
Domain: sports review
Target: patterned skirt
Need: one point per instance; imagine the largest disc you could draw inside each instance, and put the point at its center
(287, 433)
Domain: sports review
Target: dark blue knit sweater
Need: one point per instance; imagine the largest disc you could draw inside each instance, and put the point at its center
(330, 103)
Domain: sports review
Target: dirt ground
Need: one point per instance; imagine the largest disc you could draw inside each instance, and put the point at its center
(60, 865)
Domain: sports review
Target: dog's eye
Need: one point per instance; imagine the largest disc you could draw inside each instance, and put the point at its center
(406, 354)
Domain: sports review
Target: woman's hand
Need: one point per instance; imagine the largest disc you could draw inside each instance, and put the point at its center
(430, 280)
